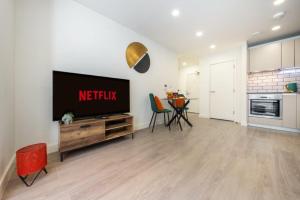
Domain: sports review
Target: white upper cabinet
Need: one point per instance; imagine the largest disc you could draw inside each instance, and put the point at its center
(288, 54)
(297, 52)
(265, 58)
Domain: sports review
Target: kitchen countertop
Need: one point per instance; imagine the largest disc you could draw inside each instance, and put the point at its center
(273, 92)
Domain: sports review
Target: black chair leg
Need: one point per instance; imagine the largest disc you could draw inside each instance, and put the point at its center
(151, 120)
(36, 176)
(154, 122)
(169, 122)
(165, 119)
(173, 114)
(178, 119)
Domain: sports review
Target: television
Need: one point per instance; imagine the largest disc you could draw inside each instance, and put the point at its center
(89, 96)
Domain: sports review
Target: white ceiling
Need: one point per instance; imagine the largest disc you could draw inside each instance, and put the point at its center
(225, 23)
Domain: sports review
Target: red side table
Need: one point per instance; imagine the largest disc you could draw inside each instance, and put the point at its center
(31, 159)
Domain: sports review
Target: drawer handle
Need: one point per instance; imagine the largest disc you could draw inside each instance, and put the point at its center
(85, 126)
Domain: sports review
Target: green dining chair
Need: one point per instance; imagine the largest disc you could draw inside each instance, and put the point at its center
(156, 111)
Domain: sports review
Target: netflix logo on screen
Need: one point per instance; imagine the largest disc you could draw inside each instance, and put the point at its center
(97, 95)
(89, 95)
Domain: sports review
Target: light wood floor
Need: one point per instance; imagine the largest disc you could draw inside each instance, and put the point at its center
(214, 160)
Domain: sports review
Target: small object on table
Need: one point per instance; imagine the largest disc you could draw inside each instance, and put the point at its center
(31, 159)
(169, 95)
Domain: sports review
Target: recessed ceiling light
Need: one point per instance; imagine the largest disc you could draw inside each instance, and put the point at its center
(184, 63)
(256, 33)
(278, 2)
(175, 13)
(199, 33)
(276, 28)
(279, 15)
(213, 46)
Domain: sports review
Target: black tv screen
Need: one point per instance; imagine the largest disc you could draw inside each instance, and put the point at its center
(86, 95)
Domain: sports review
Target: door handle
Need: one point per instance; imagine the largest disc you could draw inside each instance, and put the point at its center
(85, 126)
(212, 91)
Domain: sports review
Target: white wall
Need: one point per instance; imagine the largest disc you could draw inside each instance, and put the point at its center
(6, 87)
(239, 55)
(183, 72)
(64, 35)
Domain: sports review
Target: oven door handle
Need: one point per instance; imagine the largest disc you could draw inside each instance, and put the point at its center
(264, 100)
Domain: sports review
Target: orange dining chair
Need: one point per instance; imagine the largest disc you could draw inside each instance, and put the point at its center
(179, 103)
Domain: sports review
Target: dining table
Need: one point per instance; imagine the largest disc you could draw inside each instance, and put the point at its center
(179, 111)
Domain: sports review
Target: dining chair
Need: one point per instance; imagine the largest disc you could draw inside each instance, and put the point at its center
(157, 108)
(186, 112)
(178, 103)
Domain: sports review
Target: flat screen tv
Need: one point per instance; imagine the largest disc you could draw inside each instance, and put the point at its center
(88, 96)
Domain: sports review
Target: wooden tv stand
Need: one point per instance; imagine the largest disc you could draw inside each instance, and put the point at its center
(85, 132)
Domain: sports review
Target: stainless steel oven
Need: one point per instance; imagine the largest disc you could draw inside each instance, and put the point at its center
(265, 105)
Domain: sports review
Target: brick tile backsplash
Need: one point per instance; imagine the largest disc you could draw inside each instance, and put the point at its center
(274, 81)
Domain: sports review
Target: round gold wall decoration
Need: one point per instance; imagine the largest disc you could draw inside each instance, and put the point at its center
(137, 57)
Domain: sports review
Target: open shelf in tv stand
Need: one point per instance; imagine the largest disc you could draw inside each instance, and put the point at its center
(86, 132)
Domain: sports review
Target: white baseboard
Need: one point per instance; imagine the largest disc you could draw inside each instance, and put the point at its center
(203, 116)
(244, 123)
(276, 128)
(7, 175)
(146, 124)
(140, 126)
(52, 148)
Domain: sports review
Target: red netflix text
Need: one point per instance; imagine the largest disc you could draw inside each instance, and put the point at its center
(97, 95)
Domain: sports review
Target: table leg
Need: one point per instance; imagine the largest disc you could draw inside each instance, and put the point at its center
(178, 115)
(183, 117)
(187, 121)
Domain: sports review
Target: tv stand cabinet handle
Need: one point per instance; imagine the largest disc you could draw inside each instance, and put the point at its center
(85, 126)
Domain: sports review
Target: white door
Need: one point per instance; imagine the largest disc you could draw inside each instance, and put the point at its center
(222, 91)
(192, 91)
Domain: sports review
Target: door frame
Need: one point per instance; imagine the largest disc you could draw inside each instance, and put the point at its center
(198, 98)
(234, 87)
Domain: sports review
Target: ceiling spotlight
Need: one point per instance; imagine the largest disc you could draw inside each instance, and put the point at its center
(175, 13)
(276, 28)
(184, 63)
(199, 33)
(212, 46)
(279, 15)
(256, 33)
(278, 2)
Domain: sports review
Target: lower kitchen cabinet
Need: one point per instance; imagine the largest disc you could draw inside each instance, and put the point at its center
(298, 111)
(265, 121)
(289, 111)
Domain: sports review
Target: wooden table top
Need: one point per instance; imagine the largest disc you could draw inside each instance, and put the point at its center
(166, 99)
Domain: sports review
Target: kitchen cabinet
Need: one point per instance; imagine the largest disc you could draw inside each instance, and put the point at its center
(265, 121)
(265, 58)
(297, 52)
(298, 111)
(288, 54)
(289, 111)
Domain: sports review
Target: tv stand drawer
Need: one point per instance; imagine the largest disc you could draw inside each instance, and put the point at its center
(82, 142)
(78, 131)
